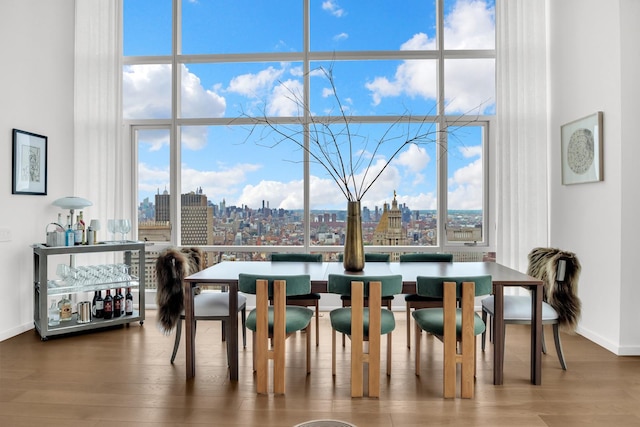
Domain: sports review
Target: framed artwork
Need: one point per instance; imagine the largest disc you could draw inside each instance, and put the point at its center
(29, 163)
(581, 142)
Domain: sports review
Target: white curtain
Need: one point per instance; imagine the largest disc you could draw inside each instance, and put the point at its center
(522, 202)
(102, 161)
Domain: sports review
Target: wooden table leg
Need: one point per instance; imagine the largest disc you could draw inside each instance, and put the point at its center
(536, 335)
(232, 340)
(190, 331)
(498, 334)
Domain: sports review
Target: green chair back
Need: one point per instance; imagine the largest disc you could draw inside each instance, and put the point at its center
(426, 257)
(432, 286)
(370, 257)
(299, 284)
(296, 257)
(341, 284)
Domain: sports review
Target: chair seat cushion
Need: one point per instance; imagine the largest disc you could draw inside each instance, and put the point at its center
(214, 304)
(297, 318)
(518, 308)
(418, 298)
(341, 321)
(432, 320)
(304, 297)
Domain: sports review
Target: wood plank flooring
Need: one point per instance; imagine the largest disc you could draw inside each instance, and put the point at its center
(123, 377)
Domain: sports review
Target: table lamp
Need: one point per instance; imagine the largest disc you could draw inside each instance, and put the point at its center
(72, 203)
(95, 226)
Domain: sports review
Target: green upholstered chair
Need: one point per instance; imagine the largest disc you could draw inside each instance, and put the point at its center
(453, 325)
(415, 301)
(362, 324)
(275, 322)
(307, 300)
(386, 300)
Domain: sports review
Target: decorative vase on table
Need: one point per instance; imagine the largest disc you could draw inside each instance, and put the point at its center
(353, 243)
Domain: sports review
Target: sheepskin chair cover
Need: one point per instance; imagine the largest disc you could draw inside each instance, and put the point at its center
(172, 266)
(561, 295)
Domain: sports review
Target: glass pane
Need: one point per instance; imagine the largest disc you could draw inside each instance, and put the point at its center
(470, 24)
(340, 25)
(253, 189)
(147, 27)
(470, 86)
(374, 87)
(146, 91)
(241, 89)
(153, 185)
(407, 187)
(465, 189)
(241, 26)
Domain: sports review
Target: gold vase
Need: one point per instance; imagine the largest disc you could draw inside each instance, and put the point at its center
(353, 244)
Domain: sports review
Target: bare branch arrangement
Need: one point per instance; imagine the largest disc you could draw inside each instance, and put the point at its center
(342, 151)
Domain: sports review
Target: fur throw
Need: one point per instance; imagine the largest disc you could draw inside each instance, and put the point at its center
(172, 266)
(561, 295)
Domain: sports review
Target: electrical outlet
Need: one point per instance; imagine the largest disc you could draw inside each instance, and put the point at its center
(5, 235)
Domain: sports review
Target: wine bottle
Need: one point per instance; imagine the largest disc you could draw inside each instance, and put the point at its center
(118, 305)
(69, 236)
(79, 230)
(108, 305)
(128, 303)
(98, 305)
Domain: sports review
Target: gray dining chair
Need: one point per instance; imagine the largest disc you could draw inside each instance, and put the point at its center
(560, 271)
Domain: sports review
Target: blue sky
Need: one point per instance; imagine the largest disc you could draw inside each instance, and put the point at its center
(229, 165)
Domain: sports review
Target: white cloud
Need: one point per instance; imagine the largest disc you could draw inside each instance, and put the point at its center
(341, 36)
(468, 83)
(285, 195)
(285, 99)
(220, 183)
(465, 187)
(255, 85)
(414, 158)
(151, 178)
(332, 7)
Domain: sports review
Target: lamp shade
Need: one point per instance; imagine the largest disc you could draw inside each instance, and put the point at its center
(95, 224)
(71, 202)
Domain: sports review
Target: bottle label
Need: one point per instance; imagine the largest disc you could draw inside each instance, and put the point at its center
(65, 311)
(129, 306)
(100, 305)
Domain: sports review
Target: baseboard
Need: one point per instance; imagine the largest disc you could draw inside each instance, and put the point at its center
(10, 333)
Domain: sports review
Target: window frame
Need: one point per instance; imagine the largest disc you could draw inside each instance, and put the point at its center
(306, 57)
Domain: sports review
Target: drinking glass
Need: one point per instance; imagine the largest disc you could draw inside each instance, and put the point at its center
(125, 227)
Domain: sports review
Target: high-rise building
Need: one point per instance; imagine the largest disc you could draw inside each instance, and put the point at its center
(389, 231)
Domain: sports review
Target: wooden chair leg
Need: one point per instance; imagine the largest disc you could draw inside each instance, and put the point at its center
(556, 337)
(333, 352)
(389, 354)
(279, 336)
(317, 323)
(357, 338)
(408, 325)
(308, 328)
(418, 335)
(261, 337)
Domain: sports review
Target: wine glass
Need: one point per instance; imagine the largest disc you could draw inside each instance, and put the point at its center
(125, 227)
(111, 226)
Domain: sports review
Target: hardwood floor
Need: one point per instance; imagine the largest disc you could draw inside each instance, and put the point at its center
(123, 377)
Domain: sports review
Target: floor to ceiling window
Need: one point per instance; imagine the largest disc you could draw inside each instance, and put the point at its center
(224, 100)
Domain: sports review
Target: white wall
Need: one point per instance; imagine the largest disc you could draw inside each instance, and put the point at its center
(37, 96)
(593, 67)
